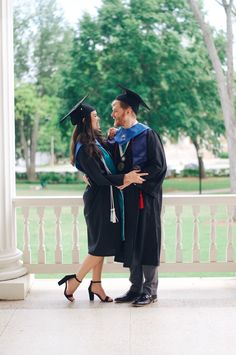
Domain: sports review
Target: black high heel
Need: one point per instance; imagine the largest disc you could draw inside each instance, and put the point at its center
(64, 280)
(91, 293)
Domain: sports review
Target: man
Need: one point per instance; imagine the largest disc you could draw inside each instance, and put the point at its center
(136, 146)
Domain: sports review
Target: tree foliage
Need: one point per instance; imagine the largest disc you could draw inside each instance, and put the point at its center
(42, 42)
(151, 46)
(224, 75)
(155, 48)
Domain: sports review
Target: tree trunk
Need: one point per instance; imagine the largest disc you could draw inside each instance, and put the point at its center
(33, 147)
(201, 166)
(225, 89)
(29, 152)
(24, 145)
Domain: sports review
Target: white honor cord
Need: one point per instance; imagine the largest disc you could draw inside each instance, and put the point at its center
(123, 151)
(113, 217)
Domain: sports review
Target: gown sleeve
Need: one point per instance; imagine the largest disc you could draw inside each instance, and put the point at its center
(91, 167)
(156, 165)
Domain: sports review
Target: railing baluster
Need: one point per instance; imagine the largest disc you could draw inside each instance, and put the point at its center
(163, 242)
(26, 237)
(195, 203)
(41, 249)
(196, 245)
(179, 245)
(58, 249)
(75, 236)
(213, 249)
(230, 247)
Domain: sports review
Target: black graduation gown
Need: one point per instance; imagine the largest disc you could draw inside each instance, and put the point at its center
(142, 244)
(104, 237)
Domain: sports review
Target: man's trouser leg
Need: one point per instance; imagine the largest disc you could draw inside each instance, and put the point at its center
(136, 278)
(151, 279)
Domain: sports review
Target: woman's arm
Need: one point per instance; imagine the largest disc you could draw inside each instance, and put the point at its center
(93, 170)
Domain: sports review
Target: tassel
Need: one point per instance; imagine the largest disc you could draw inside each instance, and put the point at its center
(141, 201)
(113, 217)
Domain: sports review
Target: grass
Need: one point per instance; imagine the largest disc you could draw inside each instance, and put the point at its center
(35, 189)
(169, 186)
(192, 184)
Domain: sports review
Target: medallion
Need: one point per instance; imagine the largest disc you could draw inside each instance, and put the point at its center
(121, 166)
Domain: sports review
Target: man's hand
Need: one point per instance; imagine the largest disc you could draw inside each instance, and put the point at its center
(111, 132)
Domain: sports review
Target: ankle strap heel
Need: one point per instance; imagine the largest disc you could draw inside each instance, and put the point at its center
(91, 293)
(78, 280)
(64, 280)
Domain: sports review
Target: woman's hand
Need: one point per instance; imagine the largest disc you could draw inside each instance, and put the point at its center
(86, 180)
(134, 177)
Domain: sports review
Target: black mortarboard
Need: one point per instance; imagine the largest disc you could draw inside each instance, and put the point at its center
(131, 98)
(78, 112)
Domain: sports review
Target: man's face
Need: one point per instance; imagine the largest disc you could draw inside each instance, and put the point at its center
(118, 114)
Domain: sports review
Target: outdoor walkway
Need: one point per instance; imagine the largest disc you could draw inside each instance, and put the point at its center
(193, 316)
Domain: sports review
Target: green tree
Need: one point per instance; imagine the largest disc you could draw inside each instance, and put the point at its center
(23, 37)
(42, 44)
(224, 78)
(82, 75)
(154, 47)
(29, 108)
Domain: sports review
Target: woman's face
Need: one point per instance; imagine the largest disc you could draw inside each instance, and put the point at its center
(95, 120)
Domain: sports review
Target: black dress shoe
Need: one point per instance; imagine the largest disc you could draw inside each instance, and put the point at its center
(130, 296)
(144, 300)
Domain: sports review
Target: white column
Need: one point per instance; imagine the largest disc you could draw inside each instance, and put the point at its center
(10, 264)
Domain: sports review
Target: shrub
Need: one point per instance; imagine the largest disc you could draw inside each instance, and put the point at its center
(223, 172)
(223, 155)
(21, 176)
(51, 177)
(189, 172)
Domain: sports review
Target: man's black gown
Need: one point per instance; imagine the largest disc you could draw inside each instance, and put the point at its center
(104, 237)
(142, 225)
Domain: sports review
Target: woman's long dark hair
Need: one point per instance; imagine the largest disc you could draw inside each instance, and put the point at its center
(84, 133)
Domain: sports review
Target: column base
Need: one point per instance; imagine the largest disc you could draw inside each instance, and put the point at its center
(11, 266)
(16, 289)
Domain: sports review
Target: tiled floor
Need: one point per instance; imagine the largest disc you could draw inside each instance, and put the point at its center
(193, 316)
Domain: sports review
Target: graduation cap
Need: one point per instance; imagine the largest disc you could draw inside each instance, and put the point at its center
(132, 99)
(78, 112)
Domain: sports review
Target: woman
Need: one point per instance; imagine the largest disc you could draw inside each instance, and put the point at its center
(103, 202)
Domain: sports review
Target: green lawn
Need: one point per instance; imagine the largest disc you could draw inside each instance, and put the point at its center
(50, 190)
(192, 184)
(170, 186)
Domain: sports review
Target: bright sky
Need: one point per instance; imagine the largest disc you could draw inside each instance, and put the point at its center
(74, 9)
